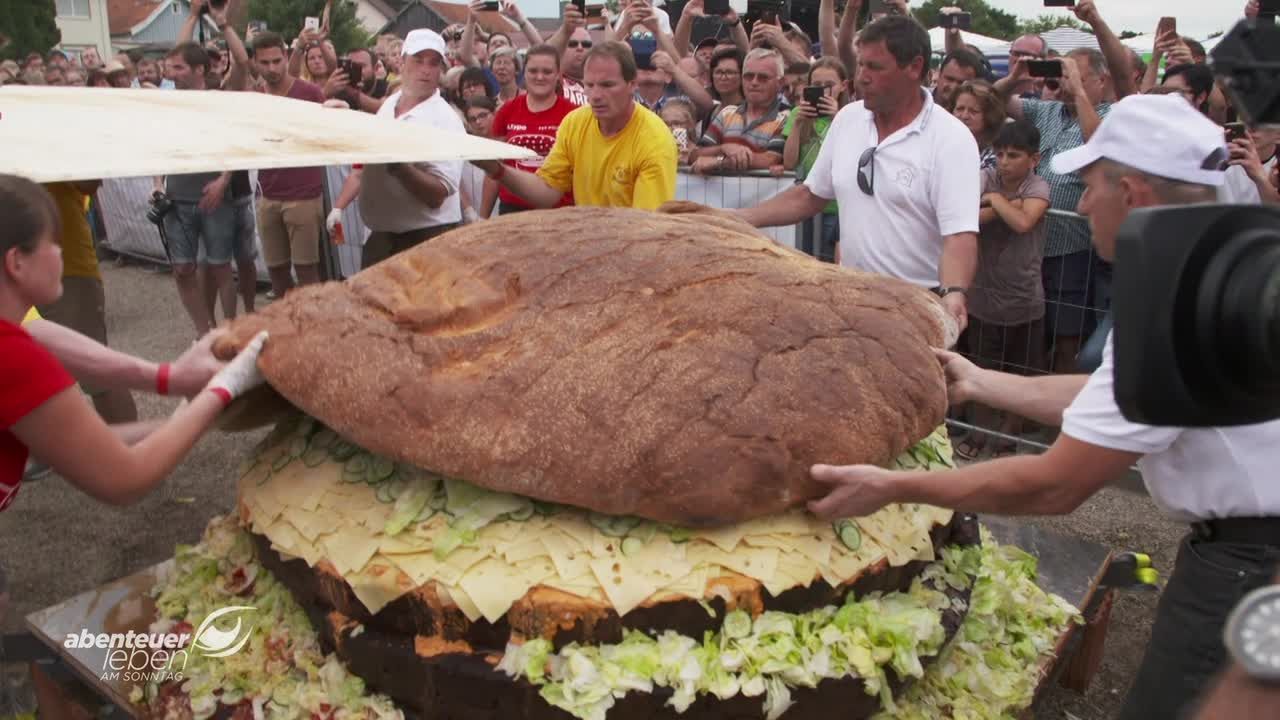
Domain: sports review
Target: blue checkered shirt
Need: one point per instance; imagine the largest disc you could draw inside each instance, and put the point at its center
(1060, 131)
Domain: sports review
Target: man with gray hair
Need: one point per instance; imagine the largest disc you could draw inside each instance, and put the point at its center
(1089, 79)
(747, 136)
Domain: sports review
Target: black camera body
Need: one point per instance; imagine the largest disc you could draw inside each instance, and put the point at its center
(1197, 315)
(161, 205)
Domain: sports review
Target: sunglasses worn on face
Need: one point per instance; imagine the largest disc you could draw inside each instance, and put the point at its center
(867, 171)
(756, 77)
(584, 44)
(725, 73)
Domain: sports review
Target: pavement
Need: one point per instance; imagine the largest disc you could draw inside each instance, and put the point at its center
(56, 542)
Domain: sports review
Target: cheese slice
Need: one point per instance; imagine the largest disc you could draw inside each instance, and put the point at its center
(349, 551)
(571, 559)
(378, 585)
(463, 601)
(312, 524)
(624, 584)
(725, 538)
(758, 563)
(494, 586)
(420, 567)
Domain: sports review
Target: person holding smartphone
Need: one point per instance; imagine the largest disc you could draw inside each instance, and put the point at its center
(805, 129)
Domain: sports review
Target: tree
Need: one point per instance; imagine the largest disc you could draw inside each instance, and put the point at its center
(287, 17)
(985, 19)
(1045, 23)
(27, 26)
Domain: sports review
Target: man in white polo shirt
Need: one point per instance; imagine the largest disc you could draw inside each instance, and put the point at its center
(404, 204)
(1151, 150)
(904, 172)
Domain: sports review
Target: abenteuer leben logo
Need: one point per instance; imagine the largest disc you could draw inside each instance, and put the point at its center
(162, 656)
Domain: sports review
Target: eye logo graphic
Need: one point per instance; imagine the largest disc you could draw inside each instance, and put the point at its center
(214, 642)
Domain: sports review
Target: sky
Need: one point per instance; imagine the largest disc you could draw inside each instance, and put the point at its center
(1196, 18)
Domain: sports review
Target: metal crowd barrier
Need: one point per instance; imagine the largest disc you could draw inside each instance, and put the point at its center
(1087, 321)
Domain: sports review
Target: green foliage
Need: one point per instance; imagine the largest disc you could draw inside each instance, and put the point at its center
(1128, 34)
(287, 17)
(986, 20)
(27, 26)
(1045, 23)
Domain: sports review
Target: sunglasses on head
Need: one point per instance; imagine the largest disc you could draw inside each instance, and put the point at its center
(584, 44)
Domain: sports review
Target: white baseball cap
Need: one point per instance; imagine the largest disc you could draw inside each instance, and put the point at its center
(423, 39)
(1162, 135)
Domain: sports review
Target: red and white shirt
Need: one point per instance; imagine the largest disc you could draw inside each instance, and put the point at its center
(517, 124)
(573, 91)
(29, 377)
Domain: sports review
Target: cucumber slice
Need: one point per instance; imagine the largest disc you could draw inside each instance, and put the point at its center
(384, 493)
(632, 545)
(524, 513)
(427, 513)
(408, 506)
(848, 532)
(737, 625)
(644, 532)
(354, 470)
(297, 447)
(681, 535)
(306, 426)
(342, 451)
(314, 456)
(382, 467)
(439, 500)
(323, 439)
(545, 509)
(613, 525)
(281, 461)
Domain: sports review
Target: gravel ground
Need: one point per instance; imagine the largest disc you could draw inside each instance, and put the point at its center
(56, 542)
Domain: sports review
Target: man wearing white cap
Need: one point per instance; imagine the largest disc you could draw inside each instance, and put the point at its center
(405, 204)
(1151, 150)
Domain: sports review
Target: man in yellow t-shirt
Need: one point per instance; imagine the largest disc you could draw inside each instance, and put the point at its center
(612, 153)
(83, 304)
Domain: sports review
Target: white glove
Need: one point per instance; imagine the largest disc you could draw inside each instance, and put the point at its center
(335, 217)
(241, 374)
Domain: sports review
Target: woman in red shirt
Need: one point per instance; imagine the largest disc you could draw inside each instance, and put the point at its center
(42, 411)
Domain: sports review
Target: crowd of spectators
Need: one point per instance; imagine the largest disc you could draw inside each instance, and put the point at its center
(932, 170)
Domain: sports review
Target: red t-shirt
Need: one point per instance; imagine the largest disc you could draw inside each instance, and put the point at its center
(286, 184)
(29, 376)
(533, 130)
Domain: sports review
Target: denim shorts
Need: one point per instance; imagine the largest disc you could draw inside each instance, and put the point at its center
(194, 234)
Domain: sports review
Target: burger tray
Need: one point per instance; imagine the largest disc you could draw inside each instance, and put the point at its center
(1069, 567)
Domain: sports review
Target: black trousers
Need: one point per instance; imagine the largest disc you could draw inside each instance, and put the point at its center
(1186, 649)
(381, 245)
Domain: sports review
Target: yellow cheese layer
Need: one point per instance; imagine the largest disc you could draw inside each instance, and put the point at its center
(307, 511)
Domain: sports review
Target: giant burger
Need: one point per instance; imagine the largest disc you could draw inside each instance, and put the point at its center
(555, 465)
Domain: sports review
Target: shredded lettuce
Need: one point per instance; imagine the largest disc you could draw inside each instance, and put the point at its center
(281, 672)
(988, 671)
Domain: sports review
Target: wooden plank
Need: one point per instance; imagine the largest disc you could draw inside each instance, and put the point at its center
(51, 134)
(117, 607)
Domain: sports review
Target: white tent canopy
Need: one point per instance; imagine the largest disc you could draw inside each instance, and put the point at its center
(52, 134)
(988, 45)
(1066, 39)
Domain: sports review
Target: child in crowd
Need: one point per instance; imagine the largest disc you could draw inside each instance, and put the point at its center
(679, 115)
(1006, 302)
(805, 129)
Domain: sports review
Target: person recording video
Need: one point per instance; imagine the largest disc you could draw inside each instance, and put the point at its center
(1221, 481)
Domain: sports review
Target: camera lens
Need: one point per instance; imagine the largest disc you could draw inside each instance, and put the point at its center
(1239, 318)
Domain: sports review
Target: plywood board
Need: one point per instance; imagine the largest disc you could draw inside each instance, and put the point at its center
(51, 134)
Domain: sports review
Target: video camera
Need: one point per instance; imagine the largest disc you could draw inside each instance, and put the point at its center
(1197, 288)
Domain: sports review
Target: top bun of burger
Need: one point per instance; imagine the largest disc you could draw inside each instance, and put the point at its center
(681, 368)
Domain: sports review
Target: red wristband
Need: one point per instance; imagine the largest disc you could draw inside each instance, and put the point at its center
(222, 394)
(162, 379)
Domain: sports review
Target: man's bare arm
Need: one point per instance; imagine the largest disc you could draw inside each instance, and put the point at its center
(786, 208)
(1042, 398)
(527, 185)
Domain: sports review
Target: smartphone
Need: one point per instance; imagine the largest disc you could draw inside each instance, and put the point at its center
(1167, 25)
(814, 93)
(643, 49)
(492, 6)
(957, 21)
(1234, 131)
(1045, 68)
(1059, 3)
(716, 7)
(355, 73)
(594, 11)
(1269, 9)
(312, 24)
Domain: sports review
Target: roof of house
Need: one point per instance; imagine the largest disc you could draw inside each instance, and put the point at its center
(387, 9)
(124, 15)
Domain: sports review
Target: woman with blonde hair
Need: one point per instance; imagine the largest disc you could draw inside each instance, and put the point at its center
(982, 111)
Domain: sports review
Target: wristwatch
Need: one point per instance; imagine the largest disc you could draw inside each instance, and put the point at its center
(945, 291)
(1252, 634)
